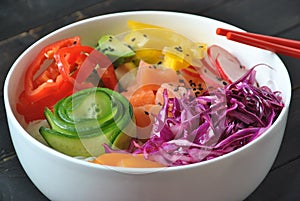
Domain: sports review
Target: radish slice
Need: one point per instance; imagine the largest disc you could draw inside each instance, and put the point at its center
(228, 66)
(211, 67)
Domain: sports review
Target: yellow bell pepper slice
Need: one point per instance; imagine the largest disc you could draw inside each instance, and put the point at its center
(134, 25)
(151, 56)
(178, 51)
(176, 57)
(172, 61)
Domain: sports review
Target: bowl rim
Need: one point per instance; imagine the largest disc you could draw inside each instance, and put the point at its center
(76, 161)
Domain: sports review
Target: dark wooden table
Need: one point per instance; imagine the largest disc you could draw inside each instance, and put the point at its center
(22, 22)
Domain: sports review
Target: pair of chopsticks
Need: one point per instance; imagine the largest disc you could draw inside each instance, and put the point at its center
(275, 44)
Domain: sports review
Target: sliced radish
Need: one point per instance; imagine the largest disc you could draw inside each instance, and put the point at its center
(227, 65)
(209, 65)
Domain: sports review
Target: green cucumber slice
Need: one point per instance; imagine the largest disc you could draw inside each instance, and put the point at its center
(74, 145)
(81, 123)
(91, 106)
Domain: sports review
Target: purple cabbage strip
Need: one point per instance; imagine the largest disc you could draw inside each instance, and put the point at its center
(194, 129)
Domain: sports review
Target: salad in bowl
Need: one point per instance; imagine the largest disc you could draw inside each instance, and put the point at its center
(148, 92)
(146, 104)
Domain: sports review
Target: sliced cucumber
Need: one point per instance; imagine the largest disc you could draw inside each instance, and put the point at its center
(92, 105)
(84, 121)
(74, 145)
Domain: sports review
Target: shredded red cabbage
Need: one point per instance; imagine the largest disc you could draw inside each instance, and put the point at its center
(195, 129)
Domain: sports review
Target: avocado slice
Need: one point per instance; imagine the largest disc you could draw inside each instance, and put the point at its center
(117, 51)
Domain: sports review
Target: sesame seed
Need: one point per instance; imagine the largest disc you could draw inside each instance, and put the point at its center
(192, 84)
(111, 49)
(176, 89)
(218, 78)
(178, 48)
(181, 80)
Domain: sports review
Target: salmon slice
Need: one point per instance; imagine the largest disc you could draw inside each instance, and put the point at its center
(144, 117)
(153, 74)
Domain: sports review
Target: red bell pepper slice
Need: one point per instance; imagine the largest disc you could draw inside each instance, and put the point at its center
(40, 87)
(70, 66)
(43, 84)
(34, 110)
(70, 59)
(78, 63)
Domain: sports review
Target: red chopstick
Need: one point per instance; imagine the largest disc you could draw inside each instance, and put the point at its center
(275, 44)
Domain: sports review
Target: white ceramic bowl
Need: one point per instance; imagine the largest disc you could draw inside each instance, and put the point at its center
(230, 177)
